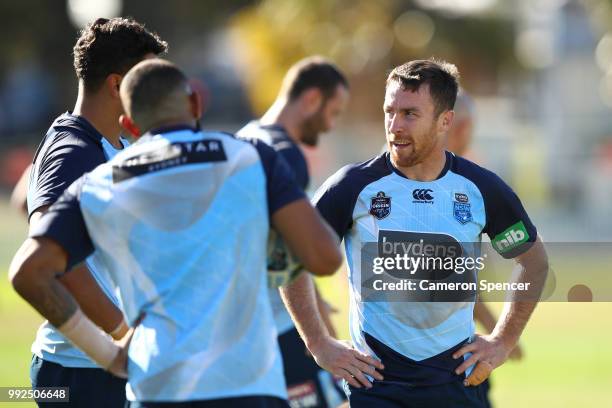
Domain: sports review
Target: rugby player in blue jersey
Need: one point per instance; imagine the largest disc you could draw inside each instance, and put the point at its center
(314, 93)
(180, 221)
(418, 192)
(76, 143)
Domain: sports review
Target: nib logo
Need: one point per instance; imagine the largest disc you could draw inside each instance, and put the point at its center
(511, 238)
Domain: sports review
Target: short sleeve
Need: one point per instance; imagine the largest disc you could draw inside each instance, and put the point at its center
(64, 224)
(335, 201)
(58, 169)
(281, 187)
(297, 162)
(508, 225)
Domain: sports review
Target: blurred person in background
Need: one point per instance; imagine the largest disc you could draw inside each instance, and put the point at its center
(314, 93)
(459, 136)
(76, 143)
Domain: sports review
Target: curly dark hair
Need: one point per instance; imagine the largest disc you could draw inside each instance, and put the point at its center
(109, 46)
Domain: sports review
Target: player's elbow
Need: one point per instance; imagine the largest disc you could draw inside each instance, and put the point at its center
(324, 260)
(20, 272)
(26, 272)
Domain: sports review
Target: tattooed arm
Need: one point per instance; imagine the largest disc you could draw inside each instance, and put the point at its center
(34, 275)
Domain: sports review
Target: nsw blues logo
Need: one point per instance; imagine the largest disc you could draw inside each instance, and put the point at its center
(380, 206)
(462, 208)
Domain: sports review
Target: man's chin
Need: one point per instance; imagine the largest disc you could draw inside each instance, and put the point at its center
(403, 161)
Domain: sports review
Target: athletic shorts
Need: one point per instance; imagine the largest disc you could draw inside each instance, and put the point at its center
(250, 402)
(88, 387)
(395, 395)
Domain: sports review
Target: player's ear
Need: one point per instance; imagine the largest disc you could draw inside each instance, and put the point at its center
(113, 83)
(128, 124)
(312, 99)
(445, 120)
(195, 105)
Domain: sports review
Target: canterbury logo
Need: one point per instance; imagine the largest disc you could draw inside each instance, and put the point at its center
(422, 195)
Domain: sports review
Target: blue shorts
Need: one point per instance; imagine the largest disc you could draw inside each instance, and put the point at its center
(250, 402)
(486, 390)
(88, 387)
(396, 395)
(308, 385)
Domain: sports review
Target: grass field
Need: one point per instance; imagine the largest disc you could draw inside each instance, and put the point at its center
(568, 347)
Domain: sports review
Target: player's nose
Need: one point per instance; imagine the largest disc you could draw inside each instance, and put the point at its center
(395, 126)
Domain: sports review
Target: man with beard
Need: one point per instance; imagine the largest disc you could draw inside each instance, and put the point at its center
(417, 193)
(313, 95)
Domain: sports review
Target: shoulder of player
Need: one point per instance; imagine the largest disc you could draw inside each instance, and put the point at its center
(482, 177)
(233, 141)
(272, 136)
(68, 143)
(353, 178)
(363, 172)
(487, 181)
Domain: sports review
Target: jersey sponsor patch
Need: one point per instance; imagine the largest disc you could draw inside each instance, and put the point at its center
(419, 246)
(168, 156)
(512, 237)
(380, 206)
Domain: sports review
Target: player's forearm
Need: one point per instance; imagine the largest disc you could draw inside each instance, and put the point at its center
(483, 315)
(512, 322)
(93, 301)
(56, 304)
(301, 302)
(50, 298)
(33, 274)
(532, 270)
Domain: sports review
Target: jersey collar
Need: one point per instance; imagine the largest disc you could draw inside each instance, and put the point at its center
(447, 165)
(168, 129)
(85, 126)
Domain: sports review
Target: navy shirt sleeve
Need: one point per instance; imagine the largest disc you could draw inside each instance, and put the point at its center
(64, 224)
(281, 187)
(336, 198)
(333, 200)
(296, 161)
(60, 166)
(508, 225)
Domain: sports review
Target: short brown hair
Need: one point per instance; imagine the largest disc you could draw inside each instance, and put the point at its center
(152, 92)
(112, 46)
(442, 78)
(312, 72)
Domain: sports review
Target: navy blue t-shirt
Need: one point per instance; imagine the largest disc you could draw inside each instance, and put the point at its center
(71, 148)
